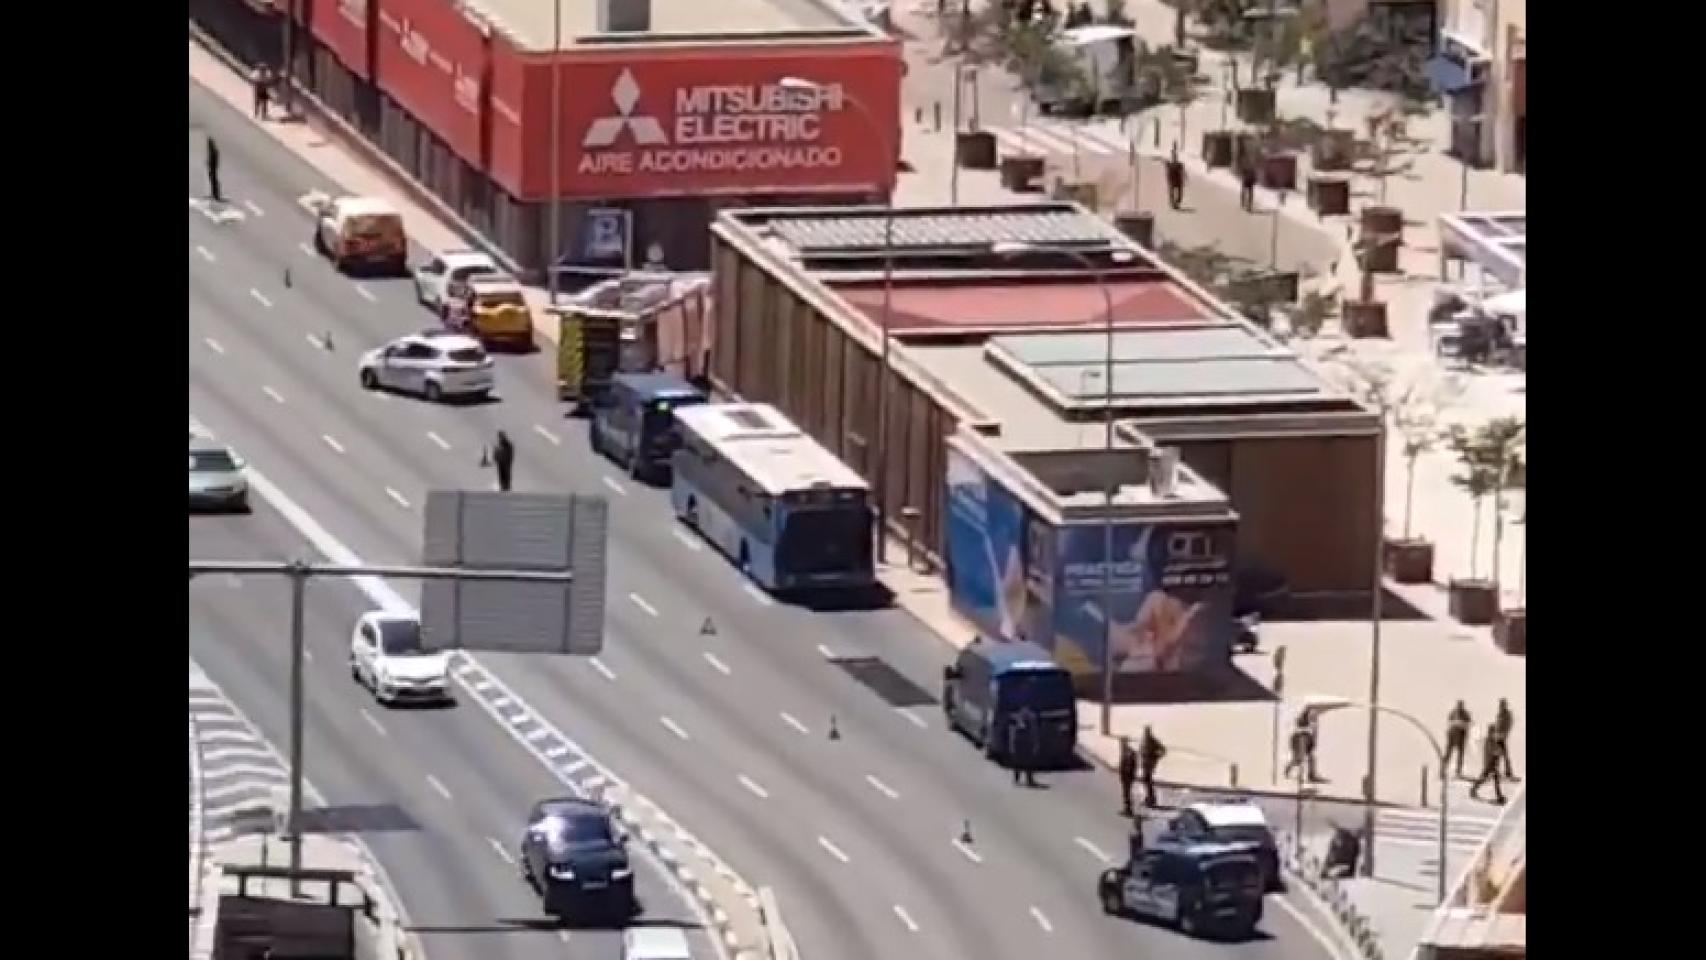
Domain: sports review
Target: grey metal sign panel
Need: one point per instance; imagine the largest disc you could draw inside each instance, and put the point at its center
(483, 530)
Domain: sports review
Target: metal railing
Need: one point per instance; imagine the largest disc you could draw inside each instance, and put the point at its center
(198, 820)
(1503, 847)
(782, 946)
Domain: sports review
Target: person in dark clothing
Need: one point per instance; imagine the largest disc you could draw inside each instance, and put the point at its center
(213, 190)
(1503, 721)
(1457, 727)
(1175, 179)
(1492, 764)
(261, 82)
(1247, 185)
(1149, 754)
(1022, 747)
(503, 460)
(1300, 749)
(1128, 774)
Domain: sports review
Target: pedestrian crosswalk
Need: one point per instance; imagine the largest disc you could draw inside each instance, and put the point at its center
(1420, 828)
(218, 211)
(1096, 138)
(241, 775)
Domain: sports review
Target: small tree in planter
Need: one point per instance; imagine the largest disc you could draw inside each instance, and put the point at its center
(1474, 599)
(1502, 443)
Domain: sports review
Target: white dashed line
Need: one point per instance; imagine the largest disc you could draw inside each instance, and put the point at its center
(308, 655)
(563, 935)
(443, 444)
(1093, 850)
(306, 248)
(366, 293)
(686, 539)
(917, 720)
(330, 442)
(615, 487)
(1309, 926)
(260, 297)
(206, 254)
(716, 664)
(832, 849)
(753, 788)
(788, 719)
(548, 435)
(598, 665)
(254, 208)
(1042, 920)
(967, 851)
(881, 787)
(640, 602)
(905, 918)
(673, 727)
(272, 394)
(214, 345)
(499, 849)
(443, 790)
(319, 344)
(828, 654)
(757, 594)
(399, 498)
(378, 727)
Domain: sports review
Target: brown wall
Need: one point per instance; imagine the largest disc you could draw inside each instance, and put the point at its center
(772, 347)
(1305, 505)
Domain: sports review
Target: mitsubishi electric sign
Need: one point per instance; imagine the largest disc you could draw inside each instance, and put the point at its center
(684, 127)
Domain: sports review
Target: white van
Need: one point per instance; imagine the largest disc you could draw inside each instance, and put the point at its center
(655, 943)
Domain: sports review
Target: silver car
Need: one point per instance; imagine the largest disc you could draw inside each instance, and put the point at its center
(434, 365)
(217, 481)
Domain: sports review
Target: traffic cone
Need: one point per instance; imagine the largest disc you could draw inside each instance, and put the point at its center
(287, 278)
(965, 832)
(326, 342)
(834, 731)
(707, 629)
(485, 457)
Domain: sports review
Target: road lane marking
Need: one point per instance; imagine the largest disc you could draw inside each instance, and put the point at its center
(214, 345)
(917, 720)
(319, 344)
(570, 769)
(1042, 920)
(443, 444)
(443, 790)
(598, 665)
(538, 733)
(673, 727)
(331, 442)
(563, 935)
(686, 541)
(905, 918)
(716, 664)
(615, 487)
(832, 849)
(788, 718)
(394, 495)
(260, 297)
(757, 594)
(1093, 850)
(969, 853)
(254, 208)
(881, 787)
(206, 254)
(308, 655)
(272, 394)
(305, 248)
(1309, 926)
(548, 435)
(366, 293)
(640, 602)
(828, 654)
(378, 727)
(499, 849)
(752, 787)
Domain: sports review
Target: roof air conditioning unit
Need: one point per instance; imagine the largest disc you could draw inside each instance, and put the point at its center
(1164, 472)
(624, 16)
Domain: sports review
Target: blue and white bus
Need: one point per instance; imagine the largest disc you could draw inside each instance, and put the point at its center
(783, 508)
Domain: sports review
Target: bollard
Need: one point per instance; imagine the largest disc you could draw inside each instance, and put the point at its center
(1424, 785)
(287, 278)
(965, 832)
(938, 116)
(1234, 776)
(834, 731)
(918, 116)
(326, 342)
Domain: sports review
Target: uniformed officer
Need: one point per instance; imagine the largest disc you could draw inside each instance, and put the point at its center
(1128, 774)
(1149, 754)
(1492, 765)
(1504, 720)
(1022, 747)
(1457, 726)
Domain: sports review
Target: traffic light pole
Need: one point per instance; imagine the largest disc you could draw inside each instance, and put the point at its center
(299, 573)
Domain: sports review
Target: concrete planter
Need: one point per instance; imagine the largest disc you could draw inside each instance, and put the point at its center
(1334, 151)
(1081, 193)
(1409, 561)
(1364, 320)
(1383, 229)
(1279, 171)
(1138, 227)
(1255, 105)
(1330, 194)
(1022, 174)
(1473, 603)
(1246, 149)
(975, 150)
(1510, 631)
(1217, 148)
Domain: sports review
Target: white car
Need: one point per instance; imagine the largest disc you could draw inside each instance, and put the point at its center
(436, 275)
(217, 478)
(385, 656)
(432, 364)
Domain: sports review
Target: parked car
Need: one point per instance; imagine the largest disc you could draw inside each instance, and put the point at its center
(575, 856)
(386, 656)
(217, 479)
(360, 234)
(434, 364)
(435, 276)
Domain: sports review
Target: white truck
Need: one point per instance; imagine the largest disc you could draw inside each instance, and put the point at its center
(1097, 64)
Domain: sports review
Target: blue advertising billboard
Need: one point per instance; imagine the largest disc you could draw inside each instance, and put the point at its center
(986, 550)
(1171, 597)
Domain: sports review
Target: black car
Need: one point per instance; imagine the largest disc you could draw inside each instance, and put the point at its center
(575, 857)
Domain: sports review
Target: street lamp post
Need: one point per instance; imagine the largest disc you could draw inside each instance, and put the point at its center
(1012, 248)
(1318, 704)
(893, 155)
(556, 228)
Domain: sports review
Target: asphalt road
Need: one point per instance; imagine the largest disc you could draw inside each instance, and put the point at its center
(728, 731)
(433, 791)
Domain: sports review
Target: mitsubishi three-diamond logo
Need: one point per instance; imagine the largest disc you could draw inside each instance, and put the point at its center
(605, 131)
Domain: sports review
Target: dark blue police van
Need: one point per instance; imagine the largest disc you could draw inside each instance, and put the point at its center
(993, 681)
(1204, 889)
(633, 423)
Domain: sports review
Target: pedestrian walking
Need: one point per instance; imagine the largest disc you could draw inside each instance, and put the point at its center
(1492, 765)
(213, 190)
(1022, 747)
(1247, 185)
(261, 82)
(1128, 774)
(1299, 744)
(1457, 727)
(1504, 720)
(1175, 179)
(503, 460)
(1149, 753)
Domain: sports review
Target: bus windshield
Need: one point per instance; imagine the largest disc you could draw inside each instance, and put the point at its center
(831, 539)
(1038, 689)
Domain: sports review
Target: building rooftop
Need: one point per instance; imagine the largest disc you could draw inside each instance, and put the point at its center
(1496, 242)
(529, 22)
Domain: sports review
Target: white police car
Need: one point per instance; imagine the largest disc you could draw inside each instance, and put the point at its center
(1230, 820)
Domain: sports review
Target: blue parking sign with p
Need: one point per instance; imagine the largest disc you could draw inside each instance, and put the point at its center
(606, 235)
